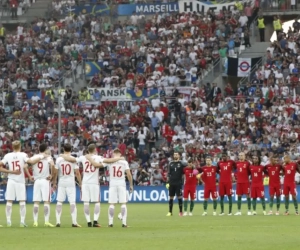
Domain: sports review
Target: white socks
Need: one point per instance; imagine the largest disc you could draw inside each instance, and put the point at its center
(8, 211)
(73, 210)
(47, 212)
(111, 213)
(86, 209)
(35, 213)
(58, 212)
(124, 214)
(23, 211)
(97, 211)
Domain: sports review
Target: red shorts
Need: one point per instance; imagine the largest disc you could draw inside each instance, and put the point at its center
(242, 189)
(225, 188)
(210, 192)
(257, 192)
(189, 191)
(289, 189)
(275, 190)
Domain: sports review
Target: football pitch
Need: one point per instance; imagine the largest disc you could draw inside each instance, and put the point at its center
(151, 229)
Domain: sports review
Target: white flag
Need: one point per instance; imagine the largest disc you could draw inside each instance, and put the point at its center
(244, 67)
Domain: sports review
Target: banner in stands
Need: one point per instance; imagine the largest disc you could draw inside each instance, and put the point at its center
(241, 67)
(146, 9)
(186, 91)
(110, 94)
(157, 194)
(92, 68)
(95, 10)
(138, 94)
(191, 6)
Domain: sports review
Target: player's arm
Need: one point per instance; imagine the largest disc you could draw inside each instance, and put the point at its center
(4, 170)
(298, 167)
(112, 160)
(93, 162)
(68, 158)
(78, 177)
(26, 171)
(129, 177)
(54, 173)
(34, 159)
(52, 170)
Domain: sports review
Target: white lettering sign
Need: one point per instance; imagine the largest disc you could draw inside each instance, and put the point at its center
(191, 6)
(110, 94)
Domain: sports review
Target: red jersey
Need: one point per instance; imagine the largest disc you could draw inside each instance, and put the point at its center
(274, 174)
(209, 176)
(225, 169)
(290, 172)
(190, 178)
(257, 175)
(242, 171)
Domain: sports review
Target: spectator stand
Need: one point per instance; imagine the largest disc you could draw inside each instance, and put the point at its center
(23, 7)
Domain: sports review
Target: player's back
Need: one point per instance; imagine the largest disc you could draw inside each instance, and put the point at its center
(90, 173)
(225, 169)
(274, 174)
(66, 171)
(41, 169)
(242, 173)
(16, 161)
(117, 173)
(257, 175)
(290, 172)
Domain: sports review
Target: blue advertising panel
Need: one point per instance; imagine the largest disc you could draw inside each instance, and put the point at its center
(147, 9)
(157, 194)
(31, 93)
(95, 10)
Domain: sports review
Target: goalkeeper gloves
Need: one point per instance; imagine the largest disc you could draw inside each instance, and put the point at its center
(167, 185)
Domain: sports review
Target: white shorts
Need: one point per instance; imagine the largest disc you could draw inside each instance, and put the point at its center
(41, 190)
(117, 194)
(90, 193)
(15, 191)
(66, 192)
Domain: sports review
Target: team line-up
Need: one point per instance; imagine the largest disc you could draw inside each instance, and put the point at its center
(46, 173)
(245, 171)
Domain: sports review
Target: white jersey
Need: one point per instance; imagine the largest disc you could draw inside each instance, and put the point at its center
(16, 161)
(117, 173)
(41, 170)
(90, 173)
(66, 172)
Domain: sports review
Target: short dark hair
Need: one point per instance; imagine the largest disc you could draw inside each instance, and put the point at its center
(43, 147)
(67, 147)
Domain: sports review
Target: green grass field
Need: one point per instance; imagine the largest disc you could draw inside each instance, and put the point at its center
(151, 229)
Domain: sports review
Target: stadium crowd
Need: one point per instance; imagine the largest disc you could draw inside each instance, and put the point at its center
(167, 50)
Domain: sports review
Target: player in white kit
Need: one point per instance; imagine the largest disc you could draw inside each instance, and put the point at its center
(66, 172)
(90, 190)
(117, 186)
(16, 190)
(42, 185)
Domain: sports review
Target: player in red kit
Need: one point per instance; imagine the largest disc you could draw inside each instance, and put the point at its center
(242, 184)
(289, 187)
(190, 185)
(209, 178)
(225, 169)
(257, 184)
(274, 169)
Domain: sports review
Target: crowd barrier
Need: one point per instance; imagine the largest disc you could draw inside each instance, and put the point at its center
(148, 194)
